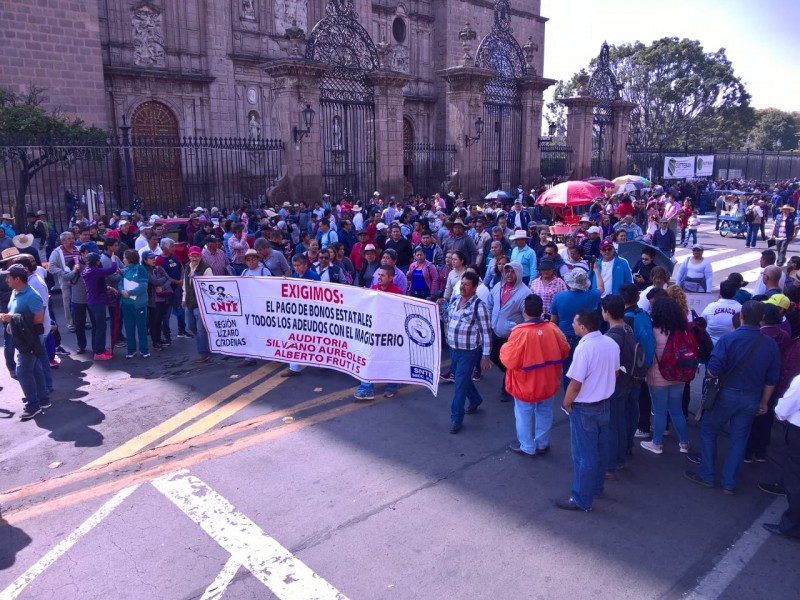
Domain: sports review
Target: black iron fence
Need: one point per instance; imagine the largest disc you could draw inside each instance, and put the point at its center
(165, 172)
(427, 167)
(556, 161)
(761, 165)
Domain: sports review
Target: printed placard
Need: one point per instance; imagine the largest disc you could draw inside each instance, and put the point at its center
(371, 335)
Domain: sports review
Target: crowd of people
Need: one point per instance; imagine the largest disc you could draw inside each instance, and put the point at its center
(569, 314)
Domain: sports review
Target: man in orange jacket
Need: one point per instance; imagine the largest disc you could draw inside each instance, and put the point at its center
(533, 357)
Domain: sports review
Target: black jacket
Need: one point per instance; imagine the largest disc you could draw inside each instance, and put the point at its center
(24, 336)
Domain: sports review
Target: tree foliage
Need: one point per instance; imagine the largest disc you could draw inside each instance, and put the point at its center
(774, 128)
(31, 138)
(680, 91)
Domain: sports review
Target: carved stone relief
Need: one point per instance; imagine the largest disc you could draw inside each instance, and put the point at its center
(249, 9)
(401, 61)
(147, 24)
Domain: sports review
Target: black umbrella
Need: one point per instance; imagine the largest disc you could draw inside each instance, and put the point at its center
(632, 252)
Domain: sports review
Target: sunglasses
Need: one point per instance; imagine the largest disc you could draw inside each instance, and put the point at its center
(607, 250)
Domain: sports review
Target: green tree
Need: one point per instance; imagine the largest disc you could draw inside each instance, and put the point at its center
(774, 128)
(31, 139)
(680, 91)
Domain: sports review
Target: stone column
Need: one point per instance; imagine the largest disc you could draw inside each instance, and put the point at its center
(532, 103)
(622, 129)
(579, 133)
(388, 93)
(295, 83)
(465, 96)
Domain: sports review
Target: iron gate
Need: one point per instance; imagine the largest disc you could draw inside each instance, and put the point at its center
(348, 134)
(347, 106)
(502, 108)
(502, 135)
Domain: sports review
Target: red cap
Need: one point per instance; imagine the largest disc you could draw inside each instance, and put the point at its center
(112, 233)
(195, 250)
(606, 244)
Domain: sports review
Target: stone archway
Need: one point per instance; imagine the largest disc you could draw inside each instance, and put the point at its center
(156, 156)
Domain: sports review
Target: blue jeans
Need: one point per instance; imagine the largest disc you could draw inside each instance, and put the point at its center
(31, 380)
(588, 427)
(735, 408)
(623, 409)
(462, 364)
(752, 234)
(174, 307)
(44, 364)
(668, 399)
(530, 439)
(98, 313)
(365, 387)
(195, 326)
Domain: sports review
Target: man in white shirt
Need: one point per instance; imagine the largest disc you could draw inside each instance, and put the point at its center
(721, 316)
(358, 219)
(768, 259)
(593, 376)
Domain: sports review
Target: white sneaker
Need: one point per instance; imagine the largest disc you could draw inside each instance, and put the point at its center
(642, 434)
(652, 447)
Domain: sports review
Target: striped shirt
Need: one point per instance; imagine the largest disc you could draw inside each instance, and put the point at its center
(237, 248)
(547, 292)
(468, 327)
(218, 262)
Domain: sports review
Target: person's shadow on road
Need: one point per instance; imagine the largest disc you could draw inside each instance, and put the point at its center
(72, 421)
(12, 540)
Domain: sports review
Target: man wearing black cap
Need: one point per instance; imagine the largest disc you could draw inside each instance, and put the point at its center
(25, 317)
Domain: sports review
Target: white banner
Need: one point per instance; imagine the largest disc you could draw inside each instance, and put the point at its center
(373, 336)
(678, 167)
(704, 165)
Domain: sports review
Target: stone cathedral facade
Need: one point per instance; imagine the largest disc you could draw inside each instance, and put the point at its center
(378, 74)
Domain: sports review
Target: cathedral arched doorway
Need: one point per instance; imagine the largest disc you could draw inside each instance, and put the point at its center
(156, 156)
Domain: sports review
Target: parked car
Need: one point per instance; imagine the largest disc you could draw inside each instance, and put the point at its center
(175, 229)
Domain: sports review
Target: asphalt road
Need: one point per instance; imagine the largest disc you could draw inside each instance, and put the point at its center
(378, 500)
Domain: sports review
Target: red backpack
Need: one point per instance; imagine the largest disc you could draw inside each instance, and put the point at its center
(680, 357)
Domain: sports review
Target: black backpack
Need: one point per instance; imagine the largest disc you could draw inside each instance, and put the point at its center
(631, 354)
(750, 215)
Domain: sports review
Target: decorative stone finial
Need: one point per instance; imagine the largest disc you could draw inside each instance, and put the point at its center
(296, 36)
(384, 49)
(467, 37)
(530, 49)
(583, 82)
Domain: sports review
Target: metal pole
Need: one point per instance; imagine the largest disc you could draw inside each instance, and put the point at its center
(763, 160)
(126, 154)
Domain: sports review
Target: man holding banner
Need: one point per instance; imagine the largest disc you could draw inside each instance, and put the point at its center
(366, 391)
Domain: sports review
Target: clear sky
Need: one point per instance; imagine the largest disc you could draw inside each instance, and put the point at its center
(761, 37)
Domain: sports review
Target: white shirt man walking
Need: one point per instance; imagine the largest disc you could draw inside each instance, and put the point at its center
(592, 375)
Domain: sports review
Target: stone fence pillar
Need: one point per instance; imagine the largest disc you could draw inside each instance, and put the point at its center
(465, 96)
(580, 118)
(295, 83)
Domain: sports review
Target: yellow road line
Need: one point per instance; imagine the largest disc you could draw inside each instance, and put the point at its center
(164, 467)
(222, 413)
(148, 437)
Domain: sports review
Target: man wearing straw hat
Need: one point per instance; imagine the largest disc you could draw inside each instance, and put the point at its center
(784, 231)
(524, 255)
(7, 225)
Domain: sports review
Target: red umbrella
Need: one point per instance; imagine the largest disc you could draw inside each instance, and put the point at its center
(570, 193)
